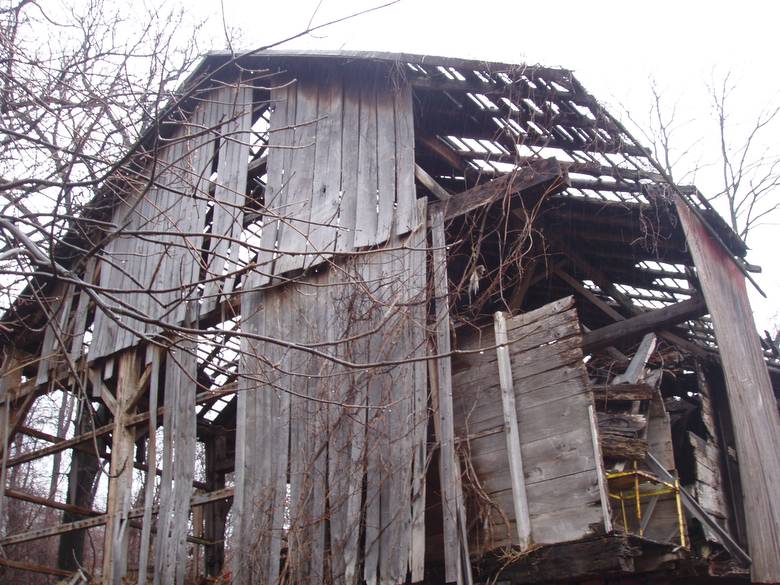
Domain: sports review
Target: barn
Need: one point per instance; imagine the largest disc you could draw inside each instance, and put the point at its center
(384, 318)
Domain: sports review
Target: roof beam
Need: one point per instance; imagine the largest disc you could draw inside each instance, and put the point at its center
(545, 176)
(643, 323)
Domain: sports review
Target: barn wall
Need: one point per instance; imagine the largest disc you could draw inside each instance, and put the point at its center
(340, 168)
(351, 440)
(153, 261)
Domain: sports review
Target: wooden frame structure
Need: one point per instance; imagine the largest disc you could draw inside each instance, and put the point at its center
(392, 318)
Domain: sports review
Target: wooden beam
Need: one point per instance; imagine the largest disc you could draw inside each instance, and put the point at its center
(623, 392)
(752, 403)
(121, 472)
(133, 420)
(442, 151)
(509, 408)
(17, 495)
(197, 500)
(431, 184)
(33, 568)
(456, 570)
(545, 176)
(637, 326)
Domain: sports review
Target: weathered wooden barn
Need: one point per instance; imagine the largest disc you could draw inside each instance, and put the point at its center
(360, 317)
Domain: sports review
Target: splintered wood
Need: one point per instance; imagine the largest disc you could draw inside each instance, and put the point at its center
(552, 396)
(351, 440)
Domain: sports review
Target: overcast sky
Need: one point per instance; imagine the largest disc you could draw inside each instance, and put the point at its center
(615, 48)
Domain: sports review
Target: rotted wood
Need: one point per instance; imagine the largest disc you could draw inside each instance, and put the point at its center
(622, 392)
(611, 555)
(619, 446)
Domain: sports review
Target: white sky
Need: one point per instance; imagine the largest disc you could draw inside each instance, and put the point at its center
(614, 47)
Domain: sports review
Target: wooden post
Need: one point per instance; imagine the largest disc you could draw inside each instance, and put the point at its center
(121, 473)
(519, 497)
(452, 498)
(751, 399)
(10, 380)
(215, 512)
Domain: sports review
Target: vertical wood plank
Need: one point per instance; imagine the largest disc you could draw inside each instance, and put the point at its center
(10, 379)
(279, 143)
(349, 170)
(407, 214)
(121, 474)
(178, 462)
(386, 163)
(80, 317)
(451, 499)
(375, 421)
(606, 509)
(299, 172)
(519, 496)
(748, 387)
(420, 416)
(229, 194)
(153, 355)
(326, 195)
(367, 181)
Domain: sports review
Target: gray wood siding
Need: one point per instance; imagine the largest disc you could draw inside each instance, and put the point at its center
(340, 170)
(154, 259)
(332, 428)
(552, 397)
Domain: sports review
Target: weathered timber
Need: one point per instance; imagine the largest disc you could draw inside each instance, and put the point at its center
(623, 392)
(121, 475)
(545, 176)
(33, 499)
(33, 568)
(595, 557)
(515, 456)
(637, 326)
(617, 446)
(153, 355)
(448, 473)
(751, 400)
(554, 427)
(431, 184)
(38, 533)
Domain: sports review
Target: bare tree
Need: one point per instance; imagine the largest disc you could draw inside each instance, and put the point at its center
(746, 159)
(750, 166)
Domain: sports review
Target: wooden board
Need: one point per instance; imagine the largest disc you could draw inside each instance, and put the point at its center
(751, 400)
(151, 264)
